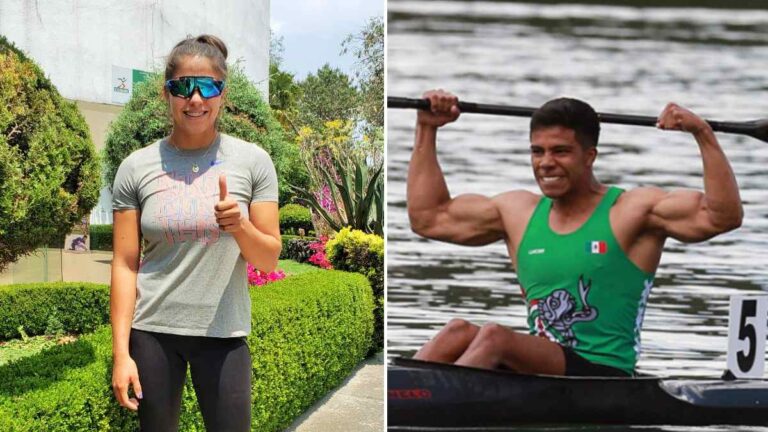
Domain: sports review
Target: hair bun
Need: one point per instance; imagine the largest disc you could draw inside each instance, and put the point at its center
(213, 40)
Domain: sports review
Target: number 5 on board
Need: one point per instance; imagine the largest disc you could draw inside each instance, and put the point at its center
(746, 336)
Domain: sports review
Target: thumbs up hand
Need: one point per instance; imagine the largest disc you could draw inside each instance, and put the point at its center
(227, 211)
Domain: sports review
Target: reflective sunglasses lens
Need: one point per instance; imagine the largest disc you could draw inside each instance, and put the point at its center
(180, 87)
(185, 87)
(209, 87)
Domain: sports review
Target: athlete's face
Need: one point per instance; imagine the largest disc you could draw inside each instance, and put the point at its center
(195, 115)
(559, 162)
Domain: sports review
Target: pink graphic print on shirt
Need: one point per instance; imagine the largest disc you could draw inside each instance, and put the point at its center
(186, 210)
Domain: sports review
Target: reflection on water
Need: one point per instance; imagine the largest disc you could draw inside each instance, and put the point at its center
(620, 59)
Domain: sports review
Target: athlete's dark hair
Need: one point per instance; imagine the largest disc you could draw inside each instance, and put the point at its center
(203, 45)
(572, 114)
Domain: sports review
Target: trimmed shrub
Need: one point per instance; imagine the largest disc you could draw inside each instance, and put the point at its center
(71, 307)
(49, 171)
(297, 248)
(101, 237)
(293, 217)
(244, 115)
(356, 251)
(309, 331)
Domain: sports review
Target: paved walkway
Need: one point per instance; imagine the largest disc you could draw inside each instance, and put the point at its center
(357, 405)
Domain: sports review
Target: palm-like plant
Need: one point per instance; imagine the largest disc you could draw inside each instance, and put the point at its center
(357, 192)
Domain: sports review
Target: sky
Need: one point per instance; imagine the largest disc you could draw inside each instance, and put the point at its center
(313, 30)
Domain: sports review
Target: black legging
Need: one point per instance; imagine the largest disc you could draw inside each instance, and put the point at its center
(221, 375)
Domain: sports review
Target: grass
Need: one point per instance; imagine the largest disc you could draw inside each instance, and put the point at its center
(19, 348)
(293, 268)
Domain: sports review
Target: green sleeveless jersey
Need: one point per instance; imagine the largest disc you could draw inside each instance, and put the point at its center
(580, 288)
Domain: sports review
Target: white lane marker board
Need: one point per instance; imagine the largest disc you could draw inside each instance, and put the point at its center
(747, 327)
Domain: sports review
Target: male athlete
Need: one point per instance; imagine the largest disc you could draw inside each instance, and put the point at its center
(585, 252)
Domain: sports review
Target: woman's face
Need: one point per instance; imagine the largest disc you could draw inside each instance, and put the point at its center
(195, 115)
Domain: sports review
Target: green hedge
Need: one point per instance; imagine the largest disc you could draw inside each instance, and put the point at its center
(79, 307)
(294, 217)
(309, 331)
(101, 237)
(356, 251)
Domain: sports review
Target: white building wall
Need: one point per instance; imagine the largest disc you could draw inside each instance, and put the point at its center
(77, 42)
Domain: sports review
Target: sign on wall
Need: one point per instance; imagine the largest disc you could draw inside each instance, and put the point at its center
(123, 81)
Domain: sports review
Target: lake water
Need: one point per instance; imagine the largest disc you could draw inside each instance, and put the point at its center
(620, 59)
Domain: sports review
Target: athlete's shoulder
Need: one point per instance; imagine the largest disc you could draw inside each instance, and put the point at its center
(640, 200)
(519, 195)
(643, 195)
(518, 199)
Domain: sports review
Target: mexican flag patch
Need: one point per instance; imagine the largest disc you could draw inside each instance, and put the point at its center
(597, 247)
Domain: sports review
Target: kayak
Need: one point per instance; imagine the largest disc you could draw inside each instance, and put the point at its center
(425, 395)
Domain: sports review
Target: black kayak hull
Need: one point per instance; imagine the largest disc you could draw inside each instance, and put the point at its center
(425, 394)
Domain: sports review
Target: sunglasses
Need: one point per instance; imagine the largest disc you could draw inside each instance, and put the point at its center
(184, 87)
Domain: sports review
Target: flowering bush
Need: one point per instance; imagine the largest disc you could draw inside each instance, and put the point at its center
(318, 257)
(356, 251)
(346, 182)
(259, 278)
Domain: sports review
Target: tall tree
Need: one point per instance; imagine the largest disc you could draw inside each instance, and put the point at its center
(327, 95)
(368, 47)
(284, 92)
(49, 171)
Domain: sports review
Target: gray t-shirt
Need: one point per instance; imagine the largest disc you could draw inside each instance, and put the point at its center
(192, 280)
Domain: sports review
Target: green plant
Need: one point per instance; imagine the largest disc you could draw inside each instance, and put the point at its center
(297, 248)
(49, 171)
(294, 217)
(101, 237)
(326, 95)
(309, 332)
(245, 115)
(356, 251)
(22, 333)
(54, 326)
(357, 192)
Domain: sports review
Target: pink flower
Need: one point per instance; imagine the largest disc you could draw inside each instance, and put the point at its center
(318, 258)
(259, 278)
(325, 199)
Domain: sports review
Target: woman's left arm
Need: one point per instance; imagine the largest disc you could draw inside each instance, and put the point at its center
(258, 236)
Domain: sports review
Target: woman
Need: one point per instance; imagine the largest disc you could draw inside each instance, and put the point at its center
(205, 203)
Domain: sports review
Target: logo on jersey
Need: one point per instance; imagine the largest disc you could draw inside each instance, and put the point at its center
(555, 314)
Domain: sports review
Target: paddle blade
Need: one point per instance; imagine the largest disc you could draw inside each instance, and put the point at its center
(760, 130)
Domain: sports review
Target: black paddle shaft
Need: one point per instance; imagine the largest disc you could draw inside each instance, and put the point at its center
(756, 129)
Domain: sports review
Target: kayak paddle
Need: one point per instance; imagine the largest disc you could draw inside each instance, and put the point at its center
(756, 128)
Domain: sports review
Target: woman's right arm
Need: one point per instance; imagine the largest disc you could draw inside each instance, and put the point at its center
(125, 268)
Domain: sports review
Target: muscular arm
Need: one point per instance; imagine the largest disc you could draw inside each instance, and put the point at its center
(125, 267)
(467, 219)
(693, 216)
